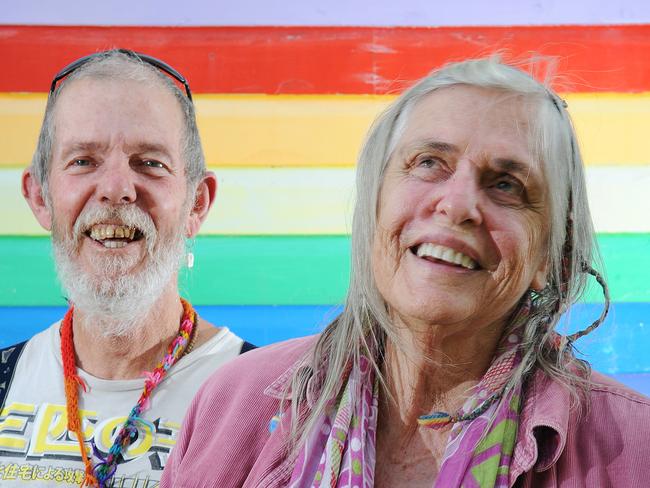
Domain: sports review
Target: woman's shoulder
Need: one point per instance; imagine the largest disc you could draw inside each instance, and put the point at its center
(228, 424)
(605, 435)
(604, 388)
(607, 403)
(613, 407)
(255, 370)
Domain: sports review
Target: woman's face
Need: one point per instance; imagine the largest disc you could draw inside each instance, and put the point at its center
(462, 214)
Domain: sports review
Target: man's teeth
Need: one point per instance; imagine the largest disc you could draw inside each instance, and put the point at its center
(446, 254)
(110, 231)
(114, 244)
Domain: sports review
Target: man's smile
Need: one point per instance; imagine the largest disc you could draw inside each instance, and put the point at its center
(113, 236)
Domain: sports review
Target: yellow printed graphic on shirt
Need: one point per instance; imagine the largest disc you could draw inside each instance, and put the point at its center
(36, 432)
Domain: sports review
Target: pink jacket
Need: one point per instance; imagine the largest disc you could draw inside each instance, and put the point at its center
(225, 441)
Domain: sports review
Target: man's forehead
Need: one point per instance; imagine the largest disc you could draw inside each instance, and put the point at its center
(99, 90)
(100, 111)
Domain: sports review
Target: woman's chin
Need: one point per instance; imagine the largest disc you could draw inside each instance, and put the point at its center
(435, 311)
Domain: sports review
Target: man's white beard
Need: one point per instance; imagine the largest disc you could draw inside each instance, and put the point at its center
(117, 300)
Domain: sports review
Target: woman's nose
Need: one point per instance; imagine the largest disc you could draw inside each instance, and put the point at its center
(459, 200)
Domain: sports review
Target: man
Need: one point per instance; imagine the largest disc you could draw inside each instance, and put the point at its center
(119, 178)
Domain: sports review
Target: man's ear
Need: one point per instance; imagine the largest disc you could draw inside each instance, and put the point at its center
(33, 193)
(206, 192)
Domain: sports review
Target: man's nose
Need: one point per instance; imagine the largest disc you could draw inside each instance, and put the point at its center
(117, 182)
(460, 197)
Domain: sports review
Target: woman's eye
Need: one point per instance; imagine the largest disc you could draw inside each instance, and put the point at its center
(427, 163)
(429, 168)
(508, 190)
(505, 185)
(509, 185)
(80, 162)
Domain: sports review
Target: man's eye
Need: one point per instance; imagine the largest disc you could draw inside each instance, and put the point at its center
(150, 163)
(81, 162)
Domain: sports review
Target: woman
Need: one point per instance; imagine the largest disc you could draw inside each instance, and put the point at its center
(471, 236)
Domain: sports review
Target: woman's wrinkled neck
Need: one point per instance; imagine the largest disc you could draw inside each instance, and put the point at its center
(429, 367)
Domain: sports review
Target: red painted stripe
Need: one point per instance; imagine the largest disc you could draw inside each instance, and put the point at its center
(330, 59)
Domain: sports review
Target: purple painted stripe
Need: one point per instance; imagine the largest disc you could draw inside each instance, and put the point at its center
(325, 12)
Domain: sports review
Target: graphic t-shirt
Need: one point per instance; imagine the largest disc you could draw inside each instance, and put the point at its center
(36, 447)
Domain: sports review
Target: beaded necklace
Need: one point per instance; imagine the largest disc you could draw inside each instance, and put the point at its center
(100, 475)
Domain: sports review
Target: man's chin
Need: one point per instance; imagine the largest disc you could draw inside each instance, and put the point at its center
(118, 290)
(116, 299)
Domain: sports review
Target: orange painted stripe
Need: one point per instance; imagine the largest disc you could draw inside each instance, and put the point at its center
(326, 60)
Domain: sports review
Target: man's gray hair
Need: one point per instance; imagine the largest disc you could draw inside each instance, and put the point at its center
(116, 65)
(364, 325)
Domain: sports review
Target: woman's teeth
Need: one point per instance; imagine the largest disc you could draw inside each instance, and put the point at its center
(446, 254)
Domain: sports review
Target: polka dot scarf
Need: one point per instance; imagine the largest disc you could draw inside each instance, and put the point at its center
(340, 451)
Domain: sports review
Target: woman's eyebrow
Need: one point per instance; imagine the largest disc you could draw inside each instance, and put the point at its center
(523, 171)
(508, 165)
(440, 146)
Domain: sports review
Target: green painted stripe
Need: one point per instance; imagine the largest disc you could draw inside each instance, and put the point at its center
(280, 270)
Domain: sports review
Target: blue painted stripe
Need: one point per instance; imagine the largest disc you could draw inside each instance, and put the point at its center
(261, 325)
(618, 347)
(620, 344)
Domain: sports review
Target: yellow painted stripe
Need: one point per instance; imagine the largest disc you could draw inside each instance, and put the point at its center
(304, 201)
(327, 130)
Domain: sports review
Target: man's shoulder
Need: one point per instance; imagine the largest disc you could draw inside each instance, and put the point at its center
(43, 338)
(10, 356)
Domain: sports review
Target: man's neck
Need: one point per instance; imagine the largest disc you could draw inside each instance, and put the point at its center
(127, 356)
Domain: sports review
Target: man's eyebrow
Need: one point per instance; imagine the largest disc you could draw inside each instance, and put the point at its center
(148, 147)
(82, 147)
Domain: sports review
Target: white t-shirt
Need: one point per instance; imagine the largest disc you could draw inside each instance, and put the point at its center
(36, 447)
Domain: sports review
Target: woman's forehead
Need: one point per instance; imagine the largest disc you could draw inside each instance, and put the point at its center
(471, 119)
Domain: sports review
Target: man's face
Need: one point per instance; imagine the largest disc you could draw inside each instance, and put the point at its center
(117, 192)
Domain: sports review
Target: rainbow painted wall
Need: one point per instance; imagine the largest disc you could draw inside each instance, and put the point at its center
(284, 97)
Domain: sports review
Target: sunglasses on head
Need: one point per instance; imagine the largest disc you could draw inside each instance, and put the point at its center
(157, 63)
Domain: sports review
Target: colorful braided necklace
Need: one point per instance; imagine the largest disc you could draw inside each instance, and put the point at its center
(100, 475)
(490, 388)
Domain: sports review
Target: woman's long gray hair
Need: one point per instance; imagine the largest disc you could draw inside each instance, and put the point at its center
(364, 327)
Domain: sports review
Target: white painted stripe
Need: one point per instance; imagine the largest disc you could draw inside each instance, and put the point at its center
(267, 201)
(619, 198)
(426, 13)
